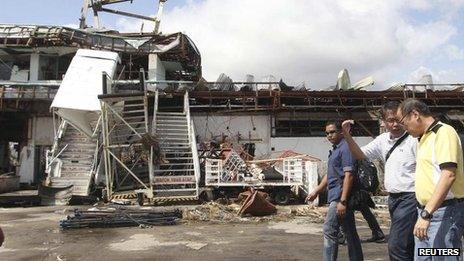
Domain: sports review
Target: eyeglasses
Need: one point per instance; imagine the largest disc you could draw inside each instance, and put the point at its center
(402, 119)
(327, 133)
(392, 120)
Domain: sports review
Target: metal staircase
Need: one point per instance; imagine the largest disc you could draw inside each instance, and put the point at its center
(129, 130)
(132, 123)
(176, 176)
(73, 160)
(128, 162)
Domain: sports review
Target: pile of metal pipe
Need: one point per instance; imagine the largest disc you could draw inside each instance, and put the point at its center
(119, 218)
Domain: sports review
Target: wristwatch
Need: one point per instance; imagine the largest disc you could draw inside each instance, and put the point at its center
(424, 214)
(343, 202)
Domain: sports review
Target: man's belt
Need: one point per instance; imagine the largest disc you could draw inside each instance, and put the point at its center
(445, 203)
(400, 194)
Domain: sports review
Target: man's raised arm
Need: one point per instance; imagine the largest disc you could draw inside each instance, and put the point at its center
(354, 148)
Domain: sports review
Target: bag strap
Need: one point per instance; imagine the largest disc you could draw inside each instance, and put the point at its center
(398, 142)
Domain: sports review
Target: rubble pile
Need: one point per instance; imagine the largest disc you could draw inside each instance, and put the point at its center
(212, 211)
(228, 213)
(316, 215)
(382, 216)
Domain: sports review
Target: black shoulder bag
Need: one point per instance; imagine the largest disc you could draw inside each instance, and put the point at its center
(397, 143)
(359, 196)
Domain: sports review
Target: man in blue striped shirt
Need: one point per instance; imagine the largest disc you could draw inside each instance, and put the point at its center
(339, 180)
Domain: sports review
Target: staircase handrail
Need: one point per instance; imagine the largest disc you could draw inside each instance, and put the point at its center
(155, 110)
(97, 126)
(196, 161)
(50, 162)
(192, 141)
(94, 165)
(59, 134)
(50, 154)
(153, 132)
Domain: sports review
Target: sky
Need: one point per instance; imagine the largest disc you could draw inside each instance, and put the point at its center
(300, 41)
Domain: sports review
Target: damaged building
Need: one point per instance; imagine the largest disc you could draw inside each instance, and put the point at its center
(35, 59)
(156, 120)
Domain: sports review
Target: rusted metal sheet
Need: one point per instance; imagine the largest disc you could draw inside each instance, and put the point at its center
(244, 195)
(256, 204)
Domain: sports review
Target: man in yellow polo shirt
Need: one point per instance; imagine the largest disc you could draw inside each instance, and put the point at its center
(439, 180)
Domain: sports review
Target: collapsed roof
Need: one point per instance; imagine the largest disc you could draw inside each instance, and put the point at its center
(177, 50)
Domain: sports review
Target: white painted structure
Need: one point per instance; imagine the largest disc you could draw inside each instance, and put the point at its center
(26, 169)
(79, 90)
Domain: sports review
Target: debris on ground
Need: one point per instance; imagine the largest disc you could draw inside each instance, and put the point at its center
(94, 218)
(212, 211)
(380, 201)
(315, 214)
(382, 215)
(227, 213)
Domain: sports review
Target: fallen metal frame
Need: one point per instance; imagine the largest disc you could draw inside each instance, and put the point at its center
(97, 6)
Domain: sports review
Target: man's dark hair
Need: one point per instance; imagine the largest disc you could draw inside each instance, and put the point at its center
(409, 105)
(336, 123)
(390, 106)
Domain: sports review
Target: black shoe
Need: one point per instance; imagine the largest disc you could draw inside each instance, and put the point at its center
(376, 239)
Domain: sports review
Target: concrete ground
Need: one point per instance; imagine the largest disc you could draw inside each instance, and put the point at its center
(34, 234)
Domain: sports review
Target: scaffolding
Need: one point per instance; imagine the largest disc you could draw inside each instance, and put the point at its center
(147, 149)
(128, 160)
